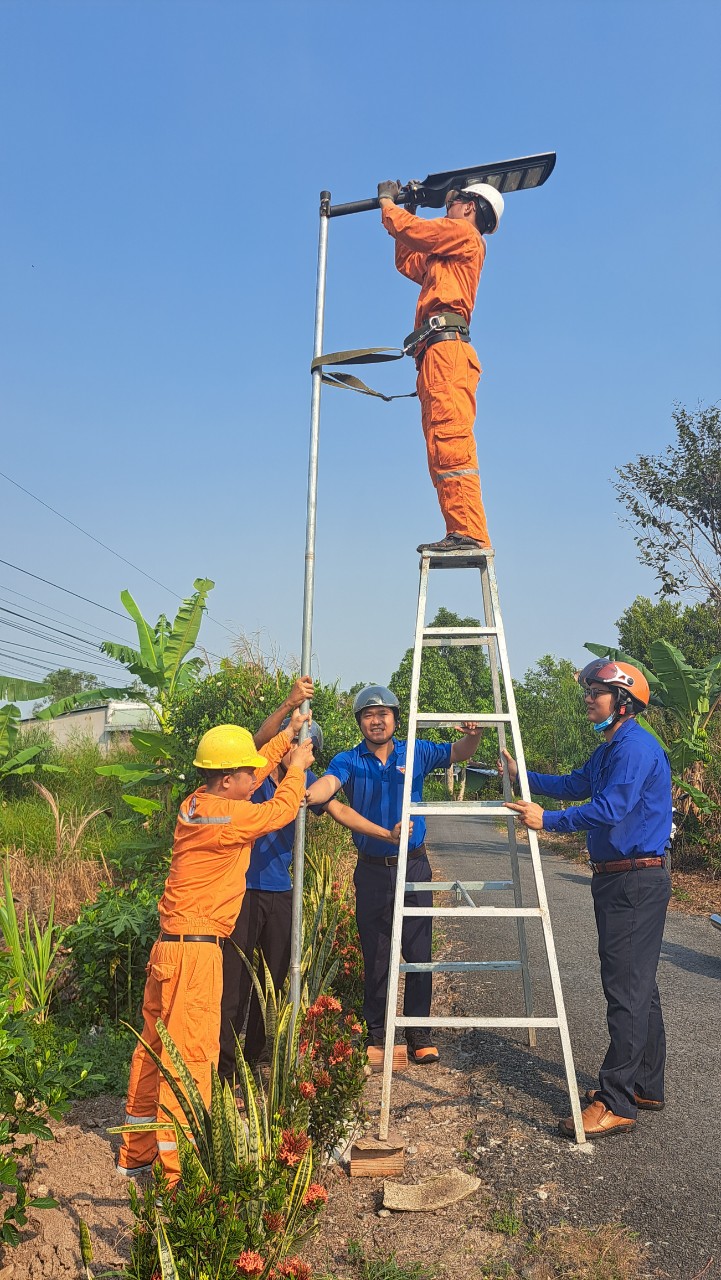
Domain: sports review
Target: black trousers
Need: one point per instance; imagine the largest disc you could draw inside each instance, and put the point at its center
(630, 912)
(263, 923)
(375, 887)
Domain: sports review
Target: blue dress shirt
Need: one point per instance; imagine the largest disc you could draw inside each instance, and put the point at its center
(628, 784)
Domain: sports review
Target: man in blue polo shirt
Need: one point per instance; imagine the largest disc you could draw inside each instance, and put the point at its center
(371, 776)
(627, 784)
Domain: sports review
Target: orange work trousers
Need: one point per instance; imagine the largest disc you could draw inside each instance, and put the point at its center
(183, 987)
(447, 380)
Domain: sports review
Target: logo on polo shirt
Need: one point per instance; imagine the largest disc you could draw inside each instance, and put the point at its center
(401, 768)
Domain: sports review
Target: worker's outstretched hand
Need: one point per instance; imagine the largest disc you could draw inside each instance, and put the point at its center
(389, 190)
(531, 814)
(512, 766)
(302, 690)
(301, 757)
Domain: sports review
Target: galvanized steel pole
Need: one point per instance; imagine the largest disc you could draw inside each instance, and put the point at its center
(296, 940)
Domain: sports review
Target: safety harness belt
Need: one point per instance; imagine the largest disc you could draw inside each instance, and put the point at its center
(436, 328)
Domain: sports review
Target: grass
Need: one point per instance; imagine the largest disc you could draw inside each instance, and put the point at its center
(505, 1220)
(607, 1252)
(70, 882)
(385, 1267)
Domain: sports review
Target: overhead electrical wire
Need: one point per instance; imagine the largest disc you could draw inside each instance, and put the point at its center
(43, 604)
(104, 545)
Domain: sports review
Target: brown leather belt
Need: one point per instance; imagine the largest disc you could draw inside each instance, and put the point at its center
(192, 937)
(626, 864)
(420, 852)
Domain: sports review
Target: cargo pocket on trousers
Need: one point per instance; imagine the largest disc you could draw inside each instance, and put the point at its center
(201, 1030)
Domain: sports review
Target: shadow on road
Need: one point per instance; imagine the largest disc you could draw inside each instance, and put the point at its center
(691, 961)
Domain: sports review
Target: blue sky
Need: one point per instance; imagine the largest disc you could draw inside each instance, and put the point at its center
(161, 165)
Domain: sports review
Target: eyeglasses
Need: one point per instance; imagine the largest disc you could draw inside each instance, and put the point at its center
(594, 693)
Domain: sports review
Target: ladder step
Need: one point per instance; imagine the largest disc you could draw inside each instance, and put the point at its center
(478, 808)
(448, 886)
(460, 631)
(457, 637)
(459, 966)
(477, 1022)
(465, 559)
(511, 912)
(426, 719)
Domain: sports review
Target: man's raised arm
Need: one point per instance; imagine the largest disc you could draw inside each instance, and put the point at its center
(302, 690)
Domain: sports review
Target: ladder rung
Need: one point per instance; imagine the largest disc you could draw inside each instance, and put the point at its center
(511, 912)
(459, 966)
(477, 1022)
(460, 631)
(447, 886)
(479, 808)
(425, 719)
(456, 642)
(464, 559)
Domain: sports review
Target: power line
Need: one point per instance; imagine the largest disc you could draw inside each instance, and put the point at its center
(67, 590)
(104, 545)
(92, 537)
(44, 605)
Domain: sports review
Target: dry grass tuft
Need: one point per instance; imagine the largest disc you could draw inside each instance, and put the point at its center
(72, 881)
(608, 1252)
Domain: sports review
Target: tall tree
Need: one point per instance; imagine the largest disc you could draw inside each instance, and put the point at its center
(63, 682)
(695, 629)
(556, 735)
(674, 499)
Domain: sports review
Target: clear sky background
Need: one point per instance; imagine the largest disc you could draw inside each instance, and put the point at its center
(161, 163)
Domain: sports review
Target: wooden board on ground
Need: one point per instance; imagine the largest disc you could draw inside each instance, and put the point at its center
(371, 1158)
(400, 1060)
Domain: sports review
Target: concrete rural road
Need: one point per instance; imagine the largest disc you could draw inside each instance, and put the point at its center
(663, 1179)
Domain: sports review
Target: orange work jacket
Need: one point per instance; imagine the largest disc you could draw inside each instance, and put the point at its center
(211, 849)
(443, 255)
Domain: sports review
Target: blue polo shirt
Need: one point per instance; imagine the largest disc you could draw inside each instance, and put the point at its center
(271, 855)
(375, 789)
(628, 784)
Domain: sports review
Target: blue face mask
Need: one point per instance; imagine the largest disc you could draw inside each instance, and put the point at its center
(605, 724)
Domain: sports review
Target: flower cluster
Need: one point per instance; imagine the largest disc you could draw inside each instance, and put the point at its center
(250, 1263)
(315, 1195)
(293, 1146)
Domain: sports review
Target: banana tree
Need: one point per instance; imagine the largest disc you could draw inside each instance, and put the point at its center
(12, 760)
(162, 663)
(689, 696)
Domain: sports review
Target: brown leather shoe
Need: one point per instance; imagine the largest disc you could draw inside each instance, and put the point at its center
(643, 1104)
(598, 1121)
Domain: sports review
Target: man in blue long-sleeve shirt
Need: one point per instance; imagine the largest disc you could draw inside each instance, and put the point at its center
(627, 786)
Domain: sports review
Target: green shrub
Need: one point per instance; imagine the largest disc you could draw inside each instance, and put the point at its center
(109, 947)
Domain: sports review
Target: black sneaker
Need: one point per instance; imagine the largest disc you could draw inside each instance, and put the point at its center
(453, 542)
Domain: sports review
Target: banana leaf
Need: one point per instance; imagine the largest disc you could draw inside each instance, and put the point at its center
(14, 690)
(184, 632)
(146, 634)
(87, 697)
(686, 687)
(703, 803)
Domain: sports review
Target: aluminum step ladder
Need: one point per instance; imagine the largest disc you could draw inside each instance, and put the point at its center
(490, 634)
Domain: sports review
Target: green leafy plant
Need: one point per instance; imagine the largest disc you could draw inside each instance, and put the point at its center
(109, 948)
(22, 1115)
(14, 762)
(506, 1220)
(386, 1267)
(245, 1199)
(33, 953)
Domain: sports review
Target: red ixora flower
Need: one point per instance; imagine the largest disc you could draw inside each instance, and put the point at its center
(274, 1220)
(324, 1004)
(293, 1146)
(306, 1089)
(316, 1194)
(295, 1269)
(249, 1263)
(351, 1023)
(340, 1052)
(323, 1080)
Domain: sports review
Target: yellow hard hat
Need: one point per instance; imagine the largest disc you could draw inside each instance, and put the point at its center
(227, 746)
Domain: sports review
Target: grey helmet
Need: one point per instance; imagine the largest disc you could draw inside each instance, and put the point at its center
(316, 733)
(375, 695)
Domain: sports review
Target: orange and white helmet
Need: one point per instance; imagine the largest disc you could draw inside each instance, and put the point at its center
(621, 675)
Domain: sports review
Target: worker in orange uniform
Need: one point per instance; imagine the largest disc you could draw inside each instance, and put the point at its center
(198, 910)
(445, 257)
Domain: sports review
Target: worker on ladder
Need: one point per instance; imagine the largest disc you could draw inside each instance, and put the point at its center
(371, 776)
(625, 794)
(445, 257)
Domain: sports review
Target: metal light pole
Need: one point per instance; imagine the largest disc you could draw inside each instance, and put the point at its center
(296, 938)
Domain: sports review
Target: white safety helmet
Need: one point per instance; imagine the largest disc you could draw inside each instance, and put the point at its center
(492, 207)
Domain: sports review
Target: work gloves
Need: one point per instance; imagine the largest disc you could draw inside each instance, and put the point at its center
(389, 190)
